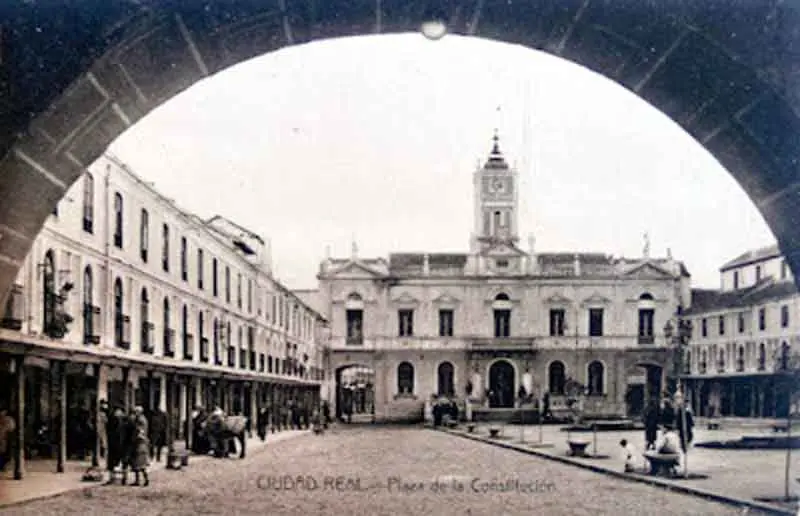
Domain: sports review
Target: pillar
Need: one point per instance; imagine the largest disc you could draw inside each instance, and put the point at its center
(101, 372)
(183, 402)
(255, 402)
(19, 454)
(164, 397)
(166, 404)
(62, 420)
(151, 394)
(126, 388)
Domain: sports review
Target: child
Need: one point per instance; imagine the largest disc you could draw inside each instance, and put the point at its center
(630, 455)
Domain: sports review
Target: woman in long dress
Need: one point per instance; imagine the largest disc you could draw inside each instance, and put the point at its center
(140, 456)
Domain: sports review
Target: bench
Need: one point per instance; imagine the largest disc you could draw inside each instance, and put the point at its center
(177, 459)
(577, 448)
(662, 464)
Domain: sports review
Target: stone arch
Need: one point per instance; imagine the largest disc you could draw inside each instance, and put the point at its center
(406, 378)
(502, 378)
(596, 377)
(446, 379)
(556, 377)
(123, 63)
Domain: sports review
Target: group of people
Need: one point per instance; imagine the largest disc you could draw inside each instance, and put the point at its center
(127, 439)
(674, 418)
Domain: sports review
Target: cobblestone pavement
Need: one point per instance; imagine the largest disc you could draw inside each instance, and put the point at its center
(378, 471)
(739, 473)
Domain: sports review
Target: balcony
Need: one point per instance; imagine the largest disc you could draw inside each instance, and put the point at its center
(720, 367)
(188, 346)
(91, 323)
(122, 331)
(646, 339)
(204, 351)
(147, 338)
(355, 341)
(14, 313)
(169, 342)
(231, 356)
(509, 343)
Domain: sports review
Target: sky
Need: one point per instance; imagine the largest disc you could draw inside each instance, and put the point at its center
(375, 139)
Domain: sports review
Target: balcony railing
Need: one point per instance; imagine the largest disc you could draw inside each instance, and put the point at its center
(122, 331)
(231, 356)
(646, 339)
(204, 354)
(740, 365)
(502, 342)
(147, 337)
(218, 355)
(242, 358)
(188, 346)
(169, 342)
(252, 361)
(720, 367)
(91, 323)
(355, 341)
(14, 312)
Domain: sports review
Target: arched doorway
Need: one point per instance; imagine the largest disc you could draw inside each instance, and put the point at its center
(445, 374)
(355, 393)
(501, 385)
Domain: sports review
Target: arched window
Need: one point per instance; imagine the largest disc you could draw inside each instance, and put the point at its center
(721, 360)
(498, 221)
(201, 335)
(242, 350)
(740, 359)
(405, 378)
(762, 356)
(118, 312)
(646, 317)
(215, 336)
(144, 234)
(88, 306)
(231, 347)
(144, 313)
(269, 363)
(168, 349)
(88, 203)
(556, 378)
(596, 387)
(49, 294)
(118, 211)
(446, 384)
(703, 361)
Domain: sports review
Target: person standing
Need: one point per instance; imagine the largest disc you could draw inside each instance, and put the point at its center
(102, 427)
(7, 427)
(140, 447)
(685, 423)
(651, 421)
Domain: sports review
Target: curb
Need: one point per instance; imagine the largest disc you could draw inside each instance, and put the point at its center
(95, 485)
(693, 491)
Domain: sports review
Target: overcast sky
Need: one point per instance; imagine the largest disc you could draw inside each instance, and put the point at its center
(377, 137)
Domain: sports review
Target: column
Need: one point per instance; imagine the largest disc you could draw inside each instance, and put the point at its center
(151, 394)
(62, 420)
(102, 394)
(183, 402)
(126, 386)
(166, 403)
(165, 397)
(255, 403)
(19, 455)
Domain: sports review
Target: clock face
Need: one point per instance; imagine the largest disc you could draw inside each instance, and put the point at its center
(498, 186)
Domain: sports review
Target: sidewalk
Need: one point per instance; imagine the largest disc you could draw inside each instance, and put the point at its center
(734, 474)
(41, 480)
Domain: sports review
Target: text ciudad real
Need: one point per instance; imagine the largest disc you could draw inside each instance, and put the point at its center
(343, 484)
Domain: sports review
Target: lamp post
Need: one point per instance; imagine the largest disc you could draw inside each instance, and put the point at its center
(678, 335)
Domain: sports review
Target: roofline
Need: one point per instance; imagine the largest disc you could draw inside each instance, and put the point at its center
(733, 264)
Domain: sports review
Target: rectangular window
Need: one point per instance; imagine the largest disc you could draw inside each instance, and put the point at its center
(200, 274)
(741, 323)
(502, 323)
(722, 325)
(646, 316)
(249, 296)
(144, 235)
(88, 203)
(184, 258)
(165, 248)
(758, 273)
(227, 284)
(762, 319)
(214, 277)
(704, 327)
(239, 290)
(406, 323)
(784, 316)
(735, 279)
(445, 323)
(354, 320)
(595, 322)
(557, 318)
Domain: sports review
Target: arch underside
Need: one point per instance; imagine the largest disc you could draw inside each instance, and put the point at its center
(726, 71)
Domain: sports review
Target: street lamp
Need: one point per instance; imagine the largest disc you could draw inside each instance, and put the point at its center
(678, 335)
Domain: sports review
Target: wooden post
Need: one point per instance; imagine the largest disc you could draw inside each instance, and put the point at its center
(19, 449)
(62, 412)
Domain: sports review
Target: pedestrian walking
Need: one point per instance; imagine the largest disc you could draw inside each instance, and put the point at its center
(140, 447)
(651, 421)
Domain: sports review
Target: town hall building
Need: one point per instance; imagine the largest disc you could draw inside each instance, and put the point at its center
(499, 322)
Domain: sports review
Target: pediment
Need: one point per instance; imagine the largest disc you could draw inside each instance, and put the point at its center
(446, 299)
(504, 250)
(558, 299)
(355, 270)
(647, 270)
(596, 299)
(405, 299)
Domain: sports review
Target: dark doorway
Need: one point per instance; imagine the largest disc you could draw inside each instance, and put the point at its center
(634, 400)
(501, 385)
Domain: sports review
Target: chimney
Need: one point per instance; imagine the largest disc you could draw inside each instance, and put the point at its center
(426, 265)
(577, 265)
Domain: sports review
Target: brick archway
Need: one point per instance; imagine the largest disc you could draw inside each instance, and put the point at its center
(723, 72)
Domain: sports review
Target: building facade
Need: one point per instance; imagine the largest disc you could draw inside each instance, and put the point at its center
(167, 311)
(743, 336)
(482, 324)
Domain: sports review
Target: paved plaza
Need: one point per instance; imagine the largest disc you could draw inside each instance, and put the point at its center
(374, 470)
(743, 474)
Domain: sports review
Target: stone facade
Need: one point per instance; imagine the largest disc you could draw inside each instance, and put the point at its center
(741, 335)
(499, 317)
(168, 310)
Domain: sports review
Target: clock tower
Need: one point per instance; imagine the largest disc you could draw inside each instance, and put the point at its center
(495, 187)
